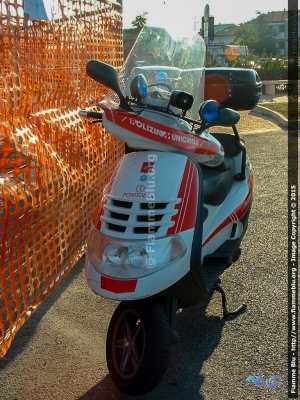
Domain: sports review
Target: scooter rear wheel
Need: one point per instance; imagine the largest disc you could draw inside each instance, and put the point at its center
(138, 346)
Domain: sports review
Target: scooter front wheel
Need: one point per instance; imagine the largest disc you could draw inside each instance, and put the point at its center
(138, 346)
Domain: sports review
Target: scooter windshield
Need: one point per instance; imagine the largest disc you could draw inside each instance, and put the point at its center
(168, 64)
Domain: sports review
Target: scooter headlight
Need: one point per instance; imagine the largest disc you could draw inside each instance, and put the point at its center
(118, 255)
(132, 258)
(115, 254)
(137, 257)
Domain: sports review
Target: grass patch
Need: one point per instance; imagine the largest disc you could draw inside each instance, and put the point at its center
(282, 108)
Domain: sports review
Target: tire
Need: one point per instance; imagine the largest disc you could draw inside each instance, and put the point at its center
(138, 346)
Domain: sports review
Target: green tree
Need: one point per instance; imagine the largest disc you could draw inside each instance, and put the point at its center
(246, 35)
(257, 35)
(249, 61)
(273, 69)
(267, 67)
(139, 22)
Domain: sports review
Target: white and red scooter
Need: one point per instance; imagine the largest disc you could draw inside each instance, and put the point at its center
(174, 213)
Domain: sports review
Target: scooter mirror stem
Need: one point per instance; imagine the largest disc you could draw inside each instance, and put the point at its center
(240, 143)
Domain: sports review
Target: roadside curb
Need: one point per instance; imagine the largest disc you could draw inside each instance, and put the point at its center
(276, 117)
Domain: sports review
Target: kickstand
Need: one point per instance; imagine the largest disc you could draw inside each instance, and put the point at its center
(227, 313)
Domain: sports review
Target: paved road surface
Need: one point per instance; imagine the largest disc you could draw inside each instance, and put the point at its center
(59, 354)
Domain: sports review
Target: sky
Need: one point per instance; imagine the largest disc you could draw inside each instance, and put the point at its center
(173, 13)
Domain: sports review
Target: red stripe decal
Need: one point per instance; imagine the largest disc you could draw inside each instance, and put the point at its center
(108, 112)
(164, 134)
(98, 213)
(188, 193)
(237, 213)
(117, 285)
(218, 229)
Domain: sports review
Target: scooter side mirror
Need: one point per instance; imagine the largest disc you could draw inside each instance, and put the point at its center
(108, 76)
(228, 117)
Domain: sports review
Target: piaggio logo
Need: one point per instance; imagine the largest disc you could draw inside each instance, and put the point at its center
(140, 188)
(147, 167)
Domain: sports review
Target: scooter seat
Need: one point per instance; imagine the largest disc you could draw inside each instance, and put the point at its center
(218, 181)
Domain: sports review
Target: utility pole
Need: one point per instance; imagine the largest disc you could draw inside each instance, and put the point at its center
(207, 28)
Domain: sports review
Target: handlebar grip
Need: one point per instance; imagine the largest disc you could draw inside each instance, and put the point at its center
(90, 114)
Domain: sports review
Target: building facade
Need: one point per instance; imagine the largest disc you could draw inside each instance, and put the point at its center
(223, 47)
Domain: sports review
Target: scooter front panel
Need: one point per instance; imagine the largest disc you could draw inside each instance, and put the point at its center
(151, 193)
(142, 287)
(152, 199)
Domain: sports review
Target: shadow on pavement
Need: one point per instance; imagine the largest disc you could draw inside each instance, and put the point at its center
(199, 335)
(27, 330)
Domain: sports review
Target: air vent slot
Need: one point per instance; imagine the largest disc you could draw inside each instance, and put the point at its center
(233, 230)
(149, 218)
(154, 206)
(123, 204)
(121, 217)
(146, 229)
(134, 218)
(117, 228)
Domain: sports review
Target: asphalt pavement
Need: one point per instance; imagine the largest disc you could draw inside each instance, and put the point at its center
(59, 353)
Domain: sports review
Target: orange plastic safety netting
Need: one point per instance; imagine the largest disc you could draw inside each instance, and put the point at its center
(53, 166)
